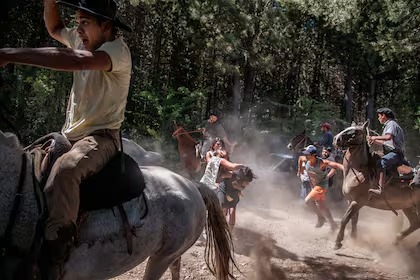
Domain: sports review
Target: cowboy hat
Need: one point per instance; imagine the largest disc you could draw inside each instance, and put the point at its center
(103, 8)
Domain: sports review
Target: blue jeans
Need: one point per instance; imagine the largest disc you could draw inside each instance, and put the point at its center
(305, 189)
(391, 160)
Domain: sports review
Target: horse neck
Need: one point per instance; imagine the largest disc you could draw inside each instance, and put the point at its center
(185, 137)
(303, 143)
(357, 156)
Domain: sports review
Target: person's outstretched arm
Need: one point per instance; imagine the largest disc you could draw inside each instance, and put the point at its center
(230, 165)
(333, 164)
(53, 21)
(63, 59)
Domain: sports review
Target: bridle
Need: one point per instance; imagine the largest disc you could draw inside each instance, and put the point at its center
(355, 145)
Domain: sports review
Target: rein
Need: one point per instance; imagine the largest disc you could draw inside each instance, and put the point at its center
(351, 168)
(7, 236)
(175, 134)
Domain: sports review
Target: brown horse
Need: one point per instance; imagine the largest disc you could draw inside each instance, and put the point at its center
(360, 176)
(190, 159)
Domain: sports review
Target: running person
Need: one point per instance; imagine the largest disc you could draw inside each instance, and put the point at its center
(319, 174)
(230, 191)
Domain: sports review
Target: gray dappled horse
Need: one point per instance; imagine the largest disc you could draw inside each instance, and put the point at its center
(360, 175)
(165, 221)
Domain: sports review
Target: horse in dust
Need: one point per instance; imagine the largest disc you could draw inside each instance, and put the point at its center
(299, 142)
(188, 152)
(360, 175)
(164, 221)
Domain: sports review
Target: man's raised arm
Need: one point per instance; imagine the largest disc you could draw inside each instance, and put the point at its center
(53, 20)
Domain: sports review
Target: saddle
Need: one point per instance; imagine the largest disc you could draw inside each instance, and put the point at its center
(402, 174)
(109, 187)
(106, 189)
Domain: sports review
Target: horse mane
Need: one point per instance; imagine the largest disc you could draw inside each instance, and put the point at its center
(10, 140)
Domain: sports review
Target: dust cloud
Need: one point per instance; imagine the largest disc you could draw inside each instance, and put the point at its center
(274, 224)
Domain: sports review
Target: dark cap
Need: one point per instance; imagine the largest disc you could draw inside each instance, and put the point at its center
(387, 112)
(310, 150)
(106, 9)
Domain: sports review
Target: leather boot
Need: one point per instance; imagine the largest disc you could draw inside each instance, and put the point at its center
(378, 191)
(56, 253)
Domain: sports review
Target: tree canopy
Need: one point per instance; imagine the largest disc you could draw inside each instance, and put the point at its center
(277, 65)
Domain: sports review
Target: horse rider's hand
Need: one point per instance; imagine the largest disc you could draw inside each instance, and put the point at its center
(370, 140)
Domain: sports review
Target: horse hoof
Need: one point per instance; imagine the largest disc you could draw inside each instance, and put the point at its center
(338, 246)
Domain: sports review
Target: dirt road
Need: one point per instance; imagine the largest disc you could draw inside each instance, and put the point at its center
(275, 238)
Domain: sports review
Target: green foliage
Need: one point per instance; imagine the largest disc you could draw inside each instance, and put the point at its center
(417, 119)
(271, 64)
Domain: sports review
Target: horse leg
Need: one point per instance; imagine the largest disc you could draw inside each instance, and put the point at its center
(413, 218)
(354, 220)
(175, 268)
(353, 208)
(158, 264)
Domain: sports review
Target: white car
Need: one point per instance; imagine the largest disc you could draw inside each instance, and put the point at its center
(140, 155)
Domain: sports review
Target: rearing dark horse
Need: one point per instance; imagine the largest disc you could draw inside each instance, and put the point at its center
(299, 142)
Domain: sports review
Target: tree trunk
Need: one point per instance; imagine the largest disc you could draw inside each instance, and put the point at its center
(371, 99)
(236, 105)
(348, 96)
(249, 85)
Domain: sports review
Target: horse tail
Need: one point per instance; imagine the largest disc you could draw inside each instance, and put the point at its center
(218, 252)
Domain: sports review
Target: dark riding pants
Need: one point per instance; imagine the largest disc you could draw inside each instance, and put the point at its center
(86, 157)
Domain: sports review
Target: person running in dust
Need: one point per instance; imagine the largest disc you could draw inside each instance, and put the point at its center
(305, 188)
(230, 192)
(317, 169)
(217, 168)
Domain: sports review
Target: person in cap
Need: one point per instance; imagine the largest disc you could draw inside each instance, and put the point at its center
(392, 140)
(212, 129)
(101, 66)
(319, 172)
(326, 138)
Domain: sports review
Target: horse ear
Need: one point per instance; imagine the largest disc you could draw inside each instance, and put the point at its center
(304, 131)
(366, 124)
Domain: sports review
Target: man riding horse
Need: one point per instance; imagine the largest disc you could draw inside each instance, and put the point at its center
(392, 140)
(101, 66)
